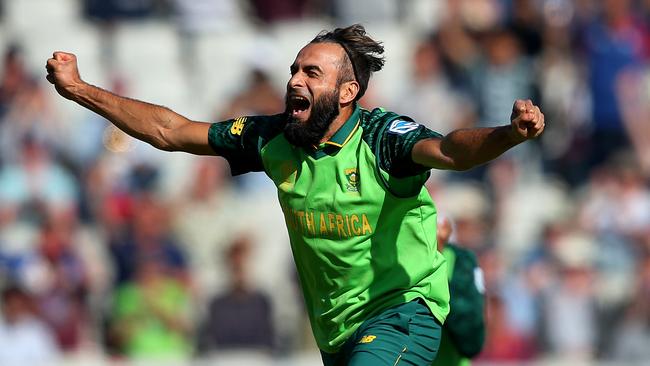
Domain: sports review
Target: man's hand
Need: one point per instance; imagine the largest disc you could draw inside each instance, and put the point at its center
(63, 73)
(526, 121)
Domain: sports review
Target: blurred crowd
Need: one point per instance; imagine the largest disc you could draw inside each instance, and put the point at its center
(96, 257)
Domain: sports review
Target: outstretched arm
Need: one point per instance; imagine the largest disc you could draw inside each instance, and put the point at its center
(156, 125)
(466, 148)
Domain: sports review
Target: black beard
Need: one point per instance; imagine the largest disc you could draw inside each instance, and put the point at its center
(308, 134)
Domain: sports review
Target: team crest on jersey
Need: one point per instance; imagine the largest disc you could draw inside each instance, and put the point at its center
(401, 127)
(352, 177)
(238, 126)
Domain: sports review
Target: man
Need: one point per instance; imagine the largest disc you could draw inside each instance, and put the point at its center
(350, 184)
(25, 338)
(463, 334)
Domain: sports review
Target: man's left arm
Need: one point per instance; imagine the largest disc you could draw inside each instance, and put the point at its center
(466, 148)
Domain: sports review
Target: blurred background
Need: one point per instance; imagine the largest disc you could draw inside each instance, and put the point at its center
(112, 251)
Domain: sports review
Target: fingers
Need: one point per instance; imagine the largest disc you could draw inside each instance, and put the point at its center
(519, 106)
(529, 105)
(524, 110)
(58, 61)
(538, 119)
(522, 105)
(63, 56)
(539, 127)
(527, 118)
(535, 127)
(50, 64)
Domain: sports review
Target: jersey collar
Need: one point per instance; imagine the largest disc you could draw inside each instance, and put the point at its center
(345, 132)
(340, 137)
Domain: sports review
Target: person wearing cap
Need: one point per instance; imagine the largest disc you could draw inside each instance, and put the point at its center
(350, 184)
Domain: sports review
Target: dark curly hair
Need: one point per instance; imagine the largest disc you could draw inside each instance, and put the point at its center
(364, 55)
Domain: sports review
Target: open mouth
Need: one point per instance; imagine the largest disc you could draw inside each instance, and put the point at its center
(298, 106)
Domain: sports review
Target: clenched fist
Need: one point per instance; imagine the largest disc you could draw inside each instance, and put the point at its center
(526, 121)
(63, 73)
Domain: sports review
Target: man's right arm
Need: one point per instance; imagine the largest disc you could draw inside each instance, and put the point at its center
(156, 125)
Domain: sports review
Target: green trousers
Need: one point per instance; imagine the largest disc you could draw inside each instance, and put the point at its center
(407, 334)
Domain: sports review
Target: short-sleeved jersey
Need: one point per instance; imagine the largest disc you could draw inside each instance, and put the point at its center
(463, 334)
(361, 224)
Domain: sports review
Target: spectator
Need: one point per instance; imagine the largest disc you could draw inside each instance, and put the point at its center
(206, 219)
(37, 180)
(150, 314)
(241, 316)
(614, 43)
(633, 335)
(259, 97)
(63, 303)
(148, 234)
(633, 95)
(458, 51)
(13, 76)
(503, 74)
(25, 339)
(429, 96)
(571, 301)
(503, 343)
(526, 24)
(30, 115)
(564, 93)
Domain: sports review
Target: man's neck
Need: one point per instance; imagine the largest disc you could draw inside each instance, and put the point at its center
(339, 121)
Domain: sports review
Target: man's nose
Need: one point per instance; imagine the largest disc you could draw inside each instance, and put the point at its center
(296, 81)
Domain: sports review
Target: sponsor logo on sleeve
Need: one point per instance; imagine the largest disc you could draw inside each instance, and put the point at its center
(367, 339)
(401, 127)
(238, 126)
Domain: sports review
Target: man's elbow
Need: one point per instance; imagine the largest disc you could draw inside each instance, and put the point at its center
(462, 166)
(448, 164)
(164, 140)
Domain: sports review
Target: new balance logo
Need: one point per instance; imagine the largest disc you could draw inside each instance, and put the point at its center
(367, 339)
(238, 126)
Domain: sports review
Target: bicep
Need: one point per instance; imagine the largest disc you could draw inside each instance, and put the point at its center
(429, 152)
(191, 137)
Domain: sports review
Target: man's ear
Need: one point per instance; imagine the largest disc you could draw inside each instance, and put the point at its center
(349, 91)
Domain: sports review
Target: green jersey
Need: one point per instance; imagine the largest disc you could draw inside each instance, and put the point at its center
(463, 334)
(361, 224)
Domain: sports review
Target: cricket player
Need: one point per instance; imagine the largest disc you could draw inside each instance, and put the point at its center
(463, 333)
(350, 184)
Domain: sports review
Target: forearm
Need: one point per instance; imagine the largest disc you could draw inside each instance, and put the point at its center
(144, 121)
(472, 147)
(465, 148)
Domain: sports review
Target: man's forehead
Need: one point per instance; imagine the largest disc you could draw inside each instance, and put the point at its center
(321, 54)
